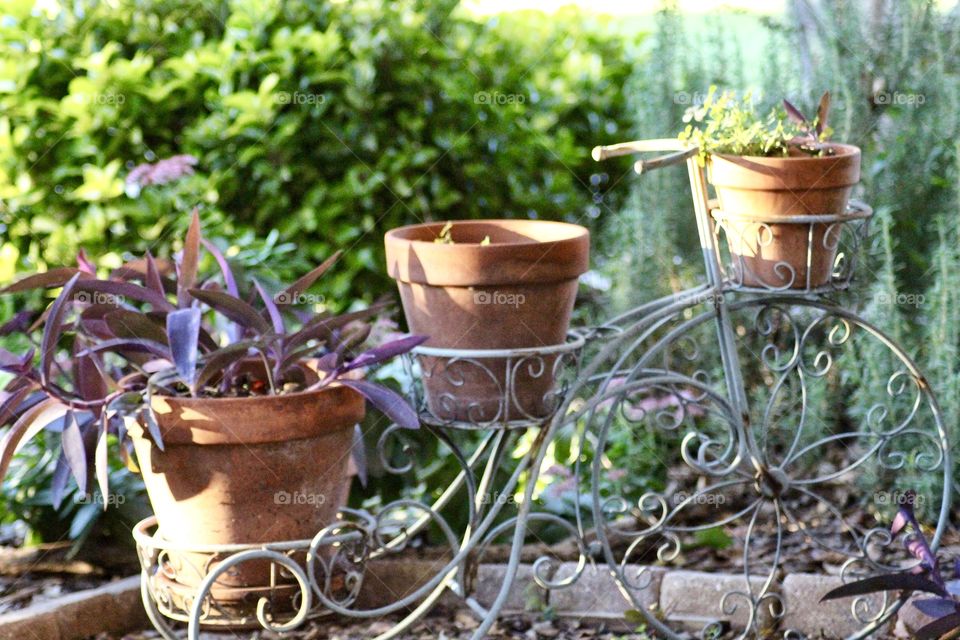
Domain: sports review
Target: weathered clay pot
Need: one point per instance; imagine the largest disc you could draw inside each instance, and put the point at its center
(761, 189)
(515, 292)
(247, 470)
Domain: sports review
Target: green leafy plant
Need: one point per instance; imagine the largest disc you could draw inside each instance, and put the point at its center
(105, 346)
(446, 236)
(728, 124)
(303, 120)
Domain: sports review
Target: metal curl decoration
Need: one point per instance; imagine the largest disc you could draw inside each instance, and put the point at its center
(733, 437)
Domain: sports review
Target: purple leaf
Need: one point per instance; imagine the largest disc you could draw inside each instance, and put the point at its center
(17, 365)
(272, 309)
(794, 114)
(100, 461)
(19, 323)
(131, 324)
(953, 587)
(225, 269)
(234, 308)
(74, 450)
(936, 607)
(385, 352)
(389, 402)
(61, 474)
(187, 272)
(938, 628)
(216, 361)
(359, 452)
(135, 345)
(120, 291)
(84, 263)
(90, 381)
(23, 427)
(14, 404)
(329, 361)
(153, 279)
(822, 112)
(152, 427)
(292, 293)
(903, 581)
(46, 280)
(51, 332)
(183, 331)
(915, 542)
(322, 327)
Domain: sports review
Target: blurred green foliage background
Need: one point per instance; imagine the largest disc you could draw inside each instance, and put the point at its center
(320, 125)
(327, 123)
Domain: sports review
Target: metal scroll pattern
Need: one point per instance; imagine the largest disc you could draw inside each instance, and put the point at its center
(768, 476)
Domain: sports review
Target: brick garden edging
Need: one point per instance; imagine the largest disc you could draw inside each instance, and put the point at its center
(115, 608)
(689, 598)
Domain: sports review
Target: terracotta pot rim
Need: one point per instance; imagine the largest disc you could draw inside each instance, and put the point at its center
(544, 251)
(792, 173)
(846, 150)
(255, 420)
(194, 401)
(399, 234)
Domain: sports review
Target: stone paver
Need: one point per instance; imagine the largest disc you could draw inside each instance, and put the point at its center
(114, 607)
(694, 598)
(595, 594)
(831, 619)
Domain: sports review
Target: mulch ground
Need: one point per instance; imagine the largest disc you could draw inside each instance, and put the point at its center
(458, 626)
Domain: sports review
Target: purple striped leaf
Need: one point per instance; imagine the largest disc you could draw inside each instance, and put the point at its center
(234, 308)
(117, 292)
(794, 114)
(134, 345)
(61, 475)
(46, 280)
(389, 402)
(131, 324)
(74, 451)
(938, 628)
(936, 607)
(53, 328)
(385, 352)
(153, 279)
(183, 332)
(271, 307)
(101, 465)
(152, 427)
(823, 111)
(216, 361)
(228, 280)
(292, 293)
(189, 259)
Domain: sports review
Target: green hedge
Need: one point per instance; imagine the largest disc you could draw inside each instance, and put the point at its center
(326, 123)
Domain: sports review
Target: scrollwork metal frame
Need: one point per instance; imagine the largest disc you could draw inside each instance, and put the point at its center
(634, 361)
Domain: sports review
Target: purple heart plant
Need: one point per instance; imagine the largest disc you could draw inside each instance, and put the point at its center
(105, 346)
(943, 607)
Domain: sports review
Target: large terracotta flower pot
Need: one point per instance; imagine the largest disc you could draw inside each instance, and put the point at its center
(246, 470)
(517, 291)
(753, 191)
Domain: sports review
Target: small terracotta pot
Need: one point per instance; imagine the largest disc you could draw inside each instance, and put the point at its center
(763, 188)
(515, 292)
(247, 470)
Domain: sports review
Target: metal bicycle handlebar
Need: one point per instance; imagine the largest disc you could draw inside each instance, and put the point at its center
(679, 152)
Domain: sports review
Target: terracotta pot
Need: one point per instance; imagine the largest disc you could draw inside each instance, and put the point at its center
(515, 292)
(247, 470)
(763, 188)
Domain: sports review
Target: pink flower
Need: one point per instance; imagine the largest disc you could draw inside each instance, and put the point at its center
(163, 171)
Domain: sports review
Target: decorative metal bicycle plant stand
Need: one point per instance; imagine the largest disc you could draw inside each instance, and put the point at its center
(745, 379)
